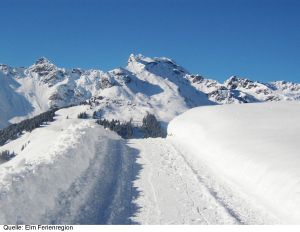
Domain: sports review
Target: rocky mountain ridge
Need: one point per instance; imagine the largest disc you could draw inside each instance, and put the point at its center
(156, 85)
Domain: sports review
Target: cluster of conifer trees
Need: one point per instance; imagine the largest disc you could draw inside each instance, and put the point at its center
(125, 130)
(7, 155)
(150, 127)
(14, 130)
(83, 115)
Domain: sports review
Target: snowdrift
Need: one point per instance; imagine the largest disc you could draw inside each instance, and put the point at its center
(254, 148)
(70, 172)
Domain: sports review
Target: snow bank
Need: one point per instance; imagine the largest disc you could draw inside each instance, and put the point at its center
(66, 174)
(254, 148)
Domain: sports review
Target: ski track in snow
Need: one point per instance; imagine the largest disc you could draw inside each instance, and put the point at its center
(240, 206)
(171, 192)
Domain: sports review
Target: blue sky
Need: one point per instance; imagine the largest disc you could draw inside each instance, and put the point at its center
(259, 39)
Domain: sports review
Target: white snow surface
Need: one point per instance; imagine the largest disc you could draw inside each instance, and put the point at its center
(251, 150)
(170, 192)
(70, 172)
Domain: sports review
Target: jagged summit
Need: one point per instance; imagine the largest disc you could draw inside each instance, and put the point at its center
(42, 60)
(4, 68)
(148, 60)
(135, 58)
(142, 58)
(161, 66)
(235, 82)
(42, 64)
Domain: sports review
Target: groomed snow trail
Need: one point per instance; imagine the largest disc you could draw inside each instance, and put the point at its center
(170, 192)
(101, 195)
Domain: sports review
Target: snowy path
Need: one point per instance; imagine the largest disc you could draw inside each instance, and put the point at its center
(101, 195)
(170, 192)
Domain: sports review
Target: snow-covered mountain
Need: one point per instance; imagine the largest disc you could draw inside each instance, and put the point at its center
(156, 85)
(243, 90)
(145, 85)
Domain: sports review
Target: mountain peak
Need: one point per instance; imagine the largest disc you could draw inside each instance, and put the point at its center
(144, 59)
(42, 67)
(139, 58)
(234, 81)
(233, 78)
(42, 60)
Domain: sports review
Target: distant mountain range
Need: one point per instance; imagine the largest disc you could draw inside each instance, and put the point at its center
(156, 85)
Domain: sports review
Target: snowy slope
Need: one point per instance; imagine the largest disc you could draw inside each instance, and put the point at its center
(12, 103)
(71, 171)
(177, 94)
(252, 149)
